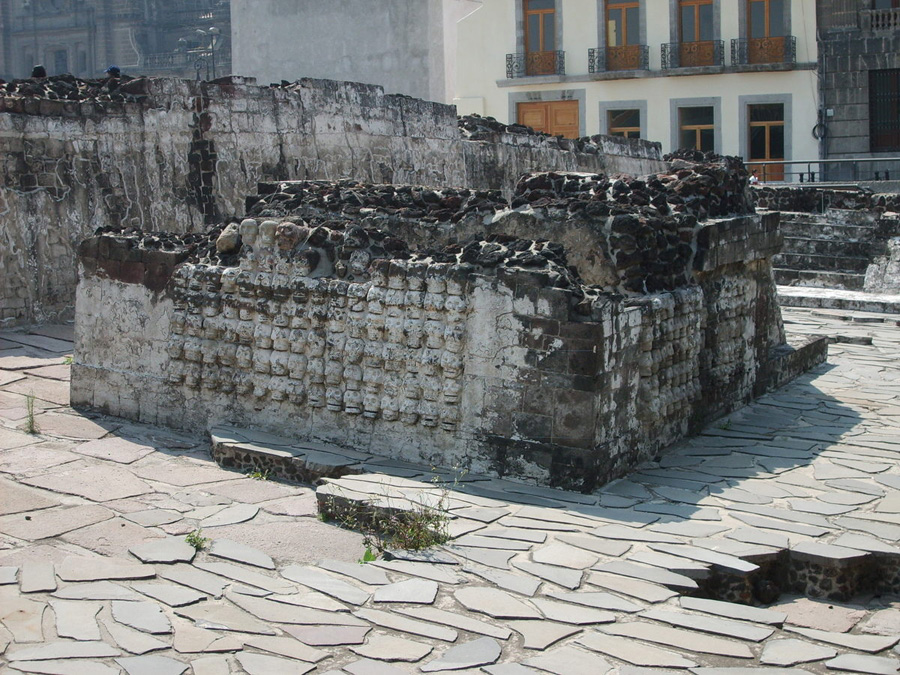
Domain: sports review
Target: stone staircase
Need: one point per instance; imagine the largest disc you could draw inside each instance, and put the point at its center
(831, 249)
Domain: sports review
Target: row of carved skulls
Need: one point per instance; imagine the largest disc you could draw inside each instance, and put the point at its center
(392, 398)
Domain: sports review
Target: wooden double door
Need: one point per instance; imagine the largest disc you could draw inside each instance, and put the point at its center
(557, 118)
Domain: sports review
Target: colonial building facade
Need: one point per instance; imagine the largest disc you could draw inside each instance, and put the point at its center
(736, 77)
(184, 38)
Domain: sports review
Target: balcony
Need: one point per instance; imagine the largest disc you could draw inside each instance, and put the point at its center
(693, 54)
(534, 64)
(626, 57)
(753, 51)
(879, 19)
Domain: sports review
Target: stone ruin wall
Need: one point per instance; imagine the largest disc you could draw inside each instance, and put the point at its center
(488, 352)
(175, 155)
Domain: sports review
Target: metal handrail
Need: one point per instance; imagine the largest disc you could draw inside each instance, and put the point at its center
(692, 54)
(809, 175)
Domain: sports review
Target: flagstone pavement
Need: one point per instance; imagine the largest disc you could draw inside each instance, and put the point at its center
(96, 575)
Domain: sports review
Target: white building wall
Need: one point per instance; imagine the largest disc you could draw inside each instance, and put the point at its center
(489, 33)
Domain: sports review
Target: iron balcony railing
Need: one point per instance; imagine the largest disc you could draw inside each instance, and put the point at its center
(533, 64)
(879, 19)
(626, 57)
(751, 51)
(692, 54)
(851, 169)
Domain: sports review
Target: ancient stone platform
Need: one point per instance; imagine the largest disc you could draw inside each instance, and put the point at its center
(95, 576)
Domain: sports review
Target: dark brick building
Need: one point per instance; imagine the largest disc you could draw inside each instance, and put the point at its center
(859, 71)
(83, 37)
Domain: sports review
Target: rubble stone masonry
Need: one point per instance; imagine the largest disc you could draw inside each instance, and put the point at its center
(176, 155)
(435, 326)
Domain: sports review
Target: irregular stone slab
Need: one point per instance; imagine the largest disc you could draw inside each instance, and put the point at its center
(249, 491)
(34, 457)
(883, 622)
(368, 667)
(37, 576)
(610, 547)
(75, 427)
(635, 653)
(100, 483)
(144, 616)
(430, 556)
(517, 583)
(288, 647)
(182, 474)
(715, 558)
(861, 486)
(132, 641)
(65, 667)
(632, 587)
(649, 574)
(706, 624)
(570, 661)
(630, 534)
(531, 524)
(98, 568)
(166, 551)
(564, 555)
(194, 640)
(211, 665)
(329, 636)
(277, 612)
(566, 578)
(153, 517)
(232, 515)
(399, 623)
(477, 541)
(114, 449)
(861, 643)
(22, 359)
(688, 528)
(97, 590)
(734, 610)
(418, 591)
(232, 550)
(263, 664)
(8, 576)
(481, 652)
(20, 498)
(325, 583)
(821, 615)
(169, 594)
(514, 533)
(151, 665)
(249, 577)
(77, 620)
(46, 343)
(481, 514)
(488, 557)
(63, 650)
(782, 525)
(597, 600)
(53, 522)
(541, 634)
(495, 603)
(790, 652)
(311, 599)
(681, 639)
(570, 613)
(455, 620)
(219, 616)
(367, 574)
(689, 568)
(20, 616)
(440, 573)
(858, 663)
(390, 648)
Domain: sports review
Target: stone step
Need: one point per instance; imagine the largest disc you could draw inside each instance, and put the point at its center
(817, 225)
(833, 247)
(803, 261)
(819, 279)
(827, 298)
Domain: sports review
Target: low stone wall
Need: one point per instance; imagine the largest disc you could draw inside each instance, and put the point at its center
(819, 200)
(176, 155)
(491, 353)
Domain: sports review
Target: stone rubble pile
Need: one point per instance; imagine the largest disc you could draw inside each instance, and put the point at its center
(17, 94)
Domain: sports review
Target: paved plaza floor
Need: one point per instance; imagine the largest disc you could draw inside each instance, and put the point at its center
(96, 576)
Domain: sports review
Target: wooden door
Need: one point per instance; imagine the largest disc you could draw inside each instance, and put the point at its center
(557, 118)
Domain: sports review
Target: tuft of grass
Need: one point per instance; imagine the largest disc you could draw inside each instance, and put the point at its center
(197, 540)
(259, 475)
(30, 425)
(385, 529)
(67, 361)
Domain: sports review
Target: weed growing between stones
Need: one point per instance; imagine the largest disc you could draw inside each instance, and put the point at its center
(197, 540)
(259, 475)
(390, 523)
(67, 361)
(30, 424)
